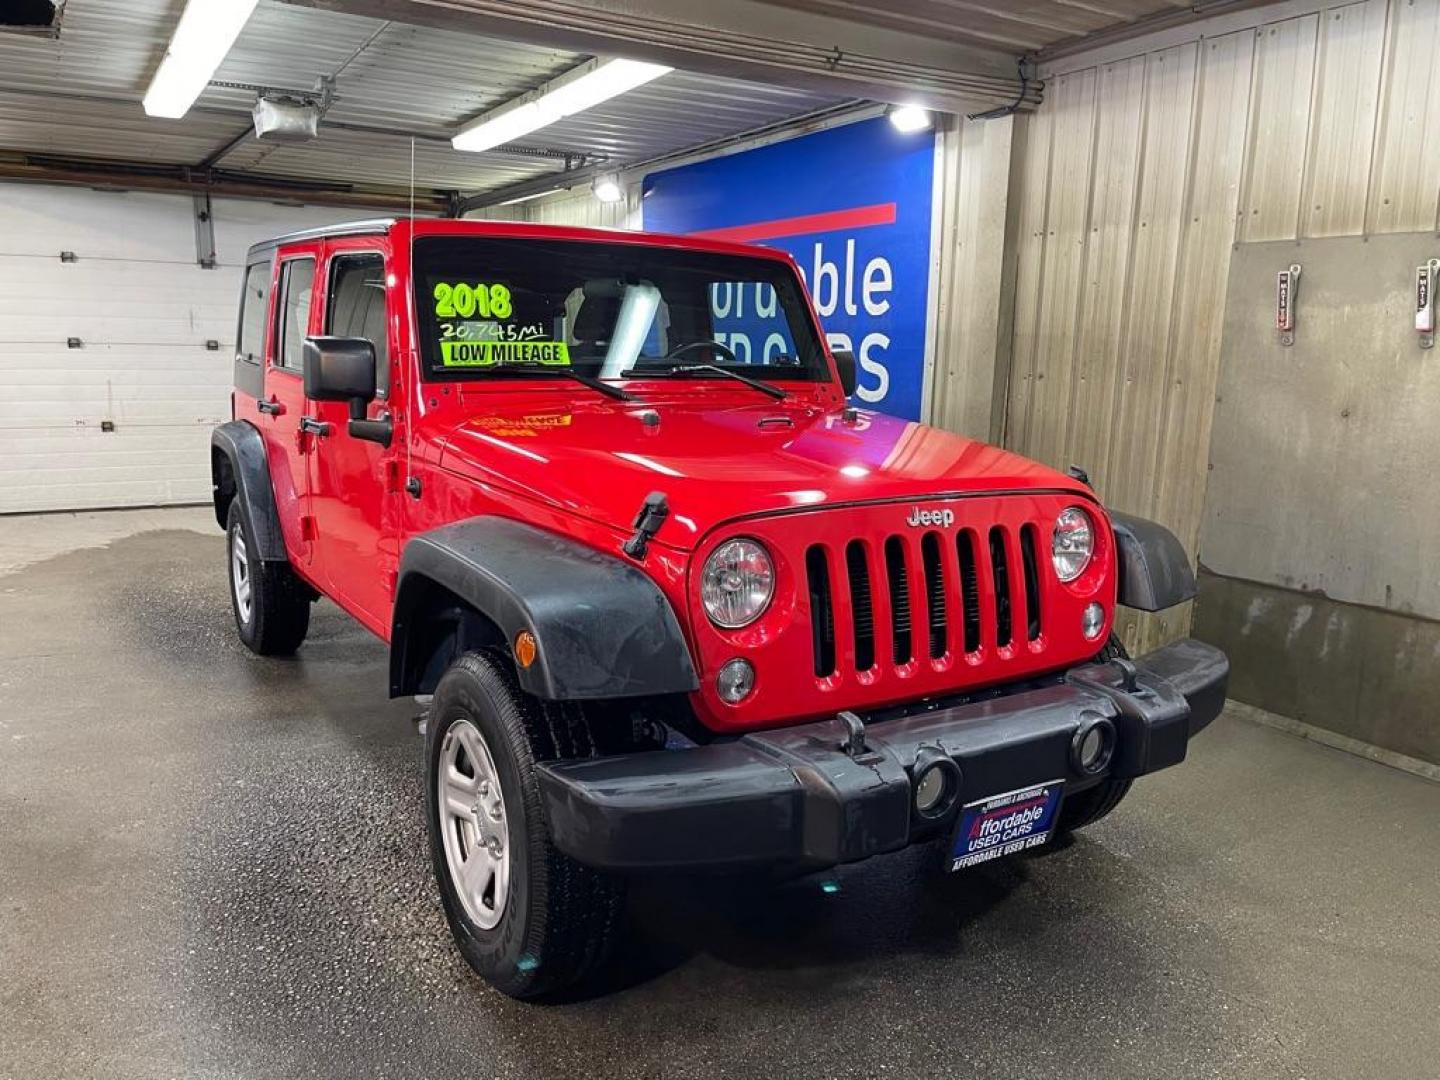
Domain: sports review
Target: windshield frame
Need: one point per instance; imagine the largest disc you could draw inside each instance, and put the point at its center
(792, 304)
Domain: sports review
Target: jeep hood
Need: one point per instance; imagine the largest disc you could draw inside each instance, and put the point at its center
(717, 462)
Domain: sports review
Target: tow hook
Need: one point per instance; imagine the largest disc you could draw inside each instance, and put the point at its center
(647, 523)
(854, 743)
(1128, 674)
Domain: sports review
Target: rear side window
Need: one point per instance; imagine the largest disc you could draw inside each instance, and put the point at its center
(356, 307)
(296, 287)
(254, 300)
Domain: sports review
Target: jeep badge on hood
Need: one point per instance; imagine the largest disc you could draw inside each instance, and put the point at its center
(918, 517)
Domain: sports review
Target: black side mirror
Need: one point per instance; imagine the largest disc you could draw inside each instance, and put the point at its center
(343, 369)
(339, 369)
(845, 361)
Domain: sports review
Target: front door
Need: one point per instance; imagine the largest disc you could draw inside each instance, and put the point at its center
(281, 406)
(354, 483)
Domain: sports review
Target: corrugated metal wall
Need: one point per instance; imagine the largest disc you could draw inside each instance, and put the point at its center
(1139, 175)
(579, 208)
(973, 311)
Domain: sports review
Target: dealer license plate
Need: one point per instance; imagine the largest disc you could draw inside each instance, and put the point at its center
(1001, 825)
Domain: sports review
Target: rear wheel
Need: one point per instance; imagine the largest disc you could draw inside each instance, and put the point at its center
(527, 918)
(271, 605)
(1092, 804)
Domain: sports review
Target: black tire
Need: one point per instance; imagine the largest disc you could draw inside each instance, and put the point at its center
(279, 615)
(1092, 804)
(560, 917)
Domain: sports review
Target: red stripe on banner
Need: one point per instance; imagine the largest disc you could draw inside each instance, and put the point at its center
(831, 221)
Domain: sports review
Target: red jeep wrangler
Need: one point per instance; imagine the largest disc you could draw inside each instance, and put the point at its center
(678, 605)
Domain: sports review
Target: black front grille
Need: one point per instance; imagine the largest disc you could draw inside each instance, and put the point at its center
(961, 609)
(969, 588)
(897, 576)
(934, 592)
(1032, 582)
(857, 568)
(1000, 567)
(822, 610)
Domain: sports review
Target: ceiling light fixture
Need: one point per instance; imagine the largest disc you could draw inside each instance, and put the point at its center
(206, 30)
(531, 195)
(608, 190)
(908, 118)
(573, 92)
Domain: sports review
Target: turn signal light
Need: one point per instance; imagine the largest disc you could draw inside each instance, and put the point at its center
(526, 648)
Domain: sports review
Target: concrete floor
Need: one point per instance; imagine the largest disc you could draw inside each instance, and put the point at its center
(213, 865)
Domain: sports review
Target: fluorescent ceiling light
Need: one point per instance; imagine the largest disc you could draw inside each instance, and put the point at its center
(909, 118)
(607, 189)
(206, 30)
(573, 92)
(532, 195)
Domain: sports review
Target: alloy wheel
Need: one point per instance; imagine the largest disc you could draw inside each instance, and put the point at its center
(473, 824)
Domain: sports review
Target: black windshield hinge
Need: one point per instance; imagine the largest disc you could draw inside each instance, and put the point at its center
(646, 524)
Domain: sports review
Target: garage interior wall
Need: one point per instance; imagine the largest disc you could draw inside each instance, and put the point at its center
(974, 299)
(123, 417)
(577, 208)
(1144, 180)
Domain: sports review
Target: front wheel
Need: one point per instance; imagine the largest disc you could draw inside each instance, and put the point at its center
(529, 919)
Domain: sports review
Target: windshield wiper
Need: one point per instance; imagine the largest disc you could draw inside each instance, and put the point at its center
(530, 368)
(713, 369)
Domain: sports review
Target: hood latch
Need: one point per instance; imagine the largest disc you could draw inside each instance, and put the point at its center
(646, 524)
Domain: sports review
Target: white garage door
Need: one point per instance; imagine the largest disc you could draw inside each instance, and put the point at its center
(123, 417)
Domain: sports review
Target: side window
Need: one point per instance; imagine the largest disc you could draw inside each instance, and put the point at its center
(296, 286)
(253, 302)
(356, 307)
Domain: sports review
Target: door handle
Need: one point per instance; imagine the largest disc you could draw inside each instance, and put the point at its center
(272, 407)
(314, 427)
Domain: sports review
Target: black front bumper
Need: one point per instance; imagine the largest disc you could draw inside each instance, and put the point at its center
(797, 799)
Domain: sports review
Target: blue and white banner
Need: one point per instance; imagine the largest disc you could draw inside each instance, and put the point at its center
(853, 206)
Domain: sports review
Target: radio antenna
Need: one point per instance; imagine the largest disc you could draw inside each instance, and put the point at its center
(411, 484)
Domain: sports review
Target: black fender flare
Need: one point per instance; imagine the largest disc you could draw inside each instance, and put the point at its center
(241, 444)
(603, 627)
(1155, 572)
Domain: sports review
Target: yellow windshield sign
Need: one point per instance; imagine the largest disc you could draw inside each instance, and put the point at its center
(494, 353)
(462, 300)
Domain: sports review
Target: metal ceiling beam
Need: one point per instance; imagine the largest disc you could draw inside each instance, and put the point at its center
(739, 39)
(144, 176)
(217, 155)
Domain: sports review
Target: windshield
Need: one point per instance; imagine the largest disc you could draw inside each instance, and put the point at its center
(608, 310)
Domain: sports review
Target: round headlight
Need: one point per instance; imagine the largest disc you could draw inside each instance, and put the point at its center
(1072, 543)
(737, 583)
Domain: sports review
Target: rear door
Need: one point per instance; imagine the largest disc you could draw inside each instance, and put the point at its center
(354, 483)
(282, 406)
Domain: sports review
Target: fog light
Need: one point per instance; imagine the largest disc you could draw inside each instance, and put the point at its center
(1093, 744)
(930, 790)
(735, 681)
(1092, 621)
(936, 782)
